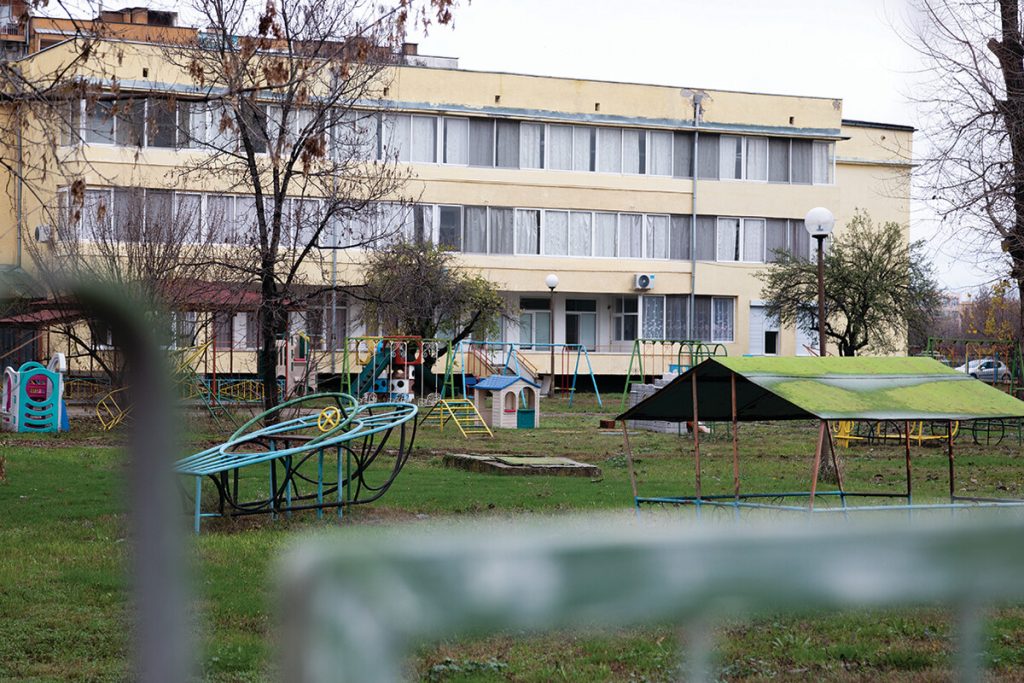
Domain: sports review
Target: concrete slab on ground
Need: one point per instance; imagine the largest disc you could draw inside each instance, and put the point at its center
(521, 465)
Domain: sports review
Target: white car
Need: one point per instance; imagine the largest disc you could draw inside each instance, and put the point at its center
(986, 369)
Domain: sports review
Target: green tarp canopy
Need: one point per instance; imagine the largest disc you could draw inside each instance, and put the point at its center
(830, 388)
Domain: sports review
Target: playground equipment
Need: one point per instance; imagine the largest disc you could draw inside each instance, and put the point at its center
(515, 402)
(460, 411)
(481, 359)
(655, 357)
(826, 389)
(116, 406)
(394, 368)
(295, 364)
(304, 439)
(32, 397)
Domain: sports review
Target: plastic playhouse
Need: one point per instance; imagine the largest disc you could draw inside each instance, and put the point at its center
(32, 398)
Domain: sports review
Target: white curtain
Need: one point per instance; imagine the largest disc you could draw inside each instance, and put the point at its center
(583, 146)
(560, 147)
(753, 239)
(501, 231)
(822, 163)
(96, 215)
(527, 231)
(476, 230)
(730, 157)
(424, 139)
(245, 219)
(605, 226)
(657, 237)
(456, 141)
(633, 143)
(579, 233)
(395, 136)
(556, 233)
(659, 153)
(609, 150)
(757, 158)
(630, 235)
(723, 320)
(531, 145)
(728, 239)
(654, 317)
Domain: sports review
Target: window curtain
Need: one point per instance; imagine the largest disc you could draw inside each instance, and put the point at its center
(728, 240)
(584, 146)
(707, 156)
(682, 155)
(822, 163)
(508, 144)
(556, 233)
(633, 152)
(609, 150)
(424, 139)
(654, 317)
(96, 216)
(753, 239)
(422, 223)
(799, 240)
(778, 160)
(127, 215)
(449, 227)
(186, 221)
(679, 238)
(192, 120)
(456, 141)
(481, 142)
(775, 239)
(527, 231)
(605, 226)
(705, 238)
(580, 234)
(801, 161)
(630, 235)
(500, 227)
(659, 156)
(657, 237)
(475, 230)
(220, 217)
(730, 157)
(531, 145)
(396, 136)
(99, 122)
(757, 158)
(163, 124)
(702, 318)
(723, 320)
(676, 306)
(560, 147)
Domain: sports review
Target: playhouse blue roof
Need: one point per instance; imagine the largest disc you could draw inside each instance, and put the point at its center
(499, 382)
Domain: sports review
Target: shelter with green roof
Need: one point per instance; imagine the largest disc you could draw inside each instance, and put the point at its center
(824, 389)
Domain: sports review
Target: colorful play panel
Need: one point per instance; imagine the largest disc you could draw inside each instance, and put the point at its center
(298, 447)
(32, 397)
(827, 390)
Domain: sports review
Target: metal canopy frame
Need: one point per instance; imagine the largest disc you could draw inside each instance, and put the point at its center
(738, 499)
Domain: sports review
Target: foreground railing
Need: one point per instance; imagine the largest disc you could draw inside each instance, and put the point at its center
(358, 607)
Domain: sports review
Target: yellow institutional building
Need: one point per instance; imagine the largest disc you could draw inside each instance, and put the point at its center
(655, 206)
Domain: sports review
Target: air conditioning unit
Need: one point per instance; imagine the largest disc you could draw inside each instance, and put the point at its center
(43, 233)
(643, 281)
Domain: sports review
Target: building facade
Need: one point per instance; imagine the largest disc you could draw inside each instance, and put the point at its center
(655, 206)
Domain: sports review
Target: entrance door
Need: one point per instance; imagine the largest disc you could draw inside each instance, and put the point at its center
(764, 333)
(581, 322)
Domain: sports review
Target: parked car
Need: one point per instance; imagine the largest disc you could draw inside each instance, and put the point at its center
(986, 369)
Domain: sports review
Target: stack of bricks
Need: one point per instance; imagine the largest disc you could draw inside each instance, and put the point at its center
(639, 392)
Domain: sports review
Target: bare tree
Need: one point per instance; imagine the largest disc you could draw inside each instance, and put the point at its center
(282, 89)
(974, 114)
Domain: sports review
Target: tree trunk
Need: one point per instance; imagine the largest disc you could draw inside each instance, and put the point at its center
(270, 320)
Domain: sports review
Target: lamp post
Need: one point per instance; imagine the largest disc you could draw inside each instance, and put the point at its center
(551, 281)
(819, 222)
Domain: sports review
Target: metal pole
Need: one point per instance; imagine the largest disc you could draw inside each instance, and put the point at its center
(817, 462)
(907, 443)
(334, 304)
(821, 295)
(696, 435)
(551, 339)
(735, 441)
(949, 452)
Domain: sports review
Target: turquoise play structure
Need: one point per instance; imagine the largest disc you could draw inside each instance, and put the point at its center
(32, 397)
(304, 440)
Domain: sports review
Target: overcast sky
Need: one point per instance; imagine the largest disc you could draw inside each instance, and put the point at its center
(850, 49)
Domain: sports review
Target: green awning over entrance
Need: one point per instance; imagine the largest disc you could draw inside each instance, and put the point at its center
(830, 388)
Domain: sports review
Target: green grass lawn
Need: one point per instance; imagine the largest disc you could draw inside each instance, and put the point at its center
(62, 553)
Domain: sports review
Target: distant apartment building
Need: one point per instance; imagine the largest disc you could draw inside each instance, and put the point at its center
(654, 205)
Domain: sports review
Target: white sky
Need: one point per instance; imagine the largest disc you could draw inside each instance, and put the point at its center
(849, 49)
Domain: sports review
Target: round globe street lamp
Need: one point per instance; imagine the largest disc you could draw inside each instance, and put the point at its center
(551, 281)
(819, 222)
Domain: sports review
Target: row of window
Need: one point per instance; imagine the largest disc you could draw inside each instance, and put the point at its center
(125, 214)
(462, 141)
(647, 316)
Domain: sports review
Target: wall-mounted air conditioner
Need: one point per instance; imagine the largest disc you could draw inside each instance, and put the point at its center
(643, 281)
